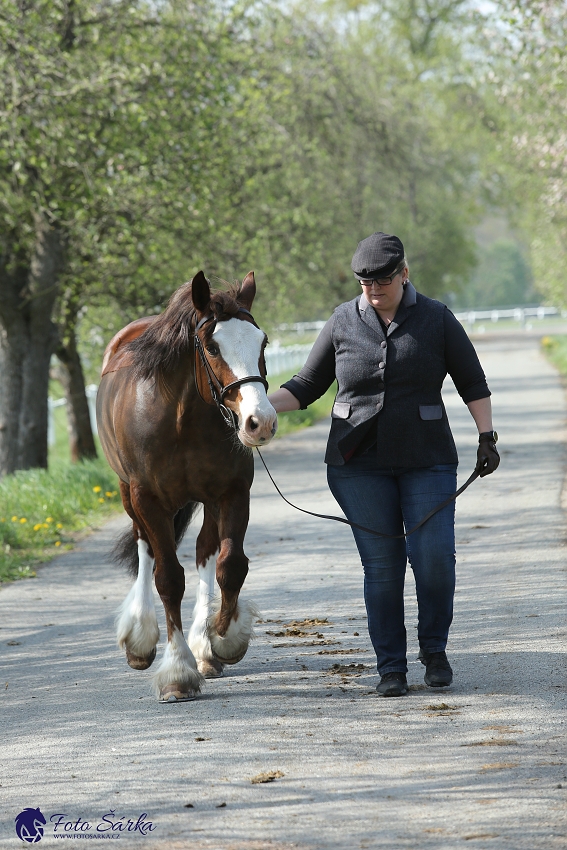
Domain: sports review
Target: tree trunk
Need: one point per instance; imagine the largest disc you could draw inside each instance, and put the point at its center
(81, 440)
(27, 339)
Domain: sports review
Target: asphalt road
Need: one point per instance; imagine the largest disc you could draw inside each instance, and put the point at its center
(482, 765)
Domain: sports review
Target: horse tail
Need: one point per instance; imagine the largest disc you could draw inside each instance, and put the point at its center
(125, 550)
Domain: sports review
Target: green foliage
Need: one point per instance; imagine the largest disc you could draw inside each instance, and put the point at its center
(555, 349)
(502, 278)
(41, 510)
(526, 86)
(295, 420)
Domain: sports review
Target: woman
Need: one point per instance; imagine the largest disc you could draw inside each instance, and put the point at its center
(391, 457)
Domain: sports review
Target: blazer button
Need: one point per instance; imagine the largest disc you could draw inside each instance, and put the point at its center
(379, 406)
(382, 365)
(383, 344)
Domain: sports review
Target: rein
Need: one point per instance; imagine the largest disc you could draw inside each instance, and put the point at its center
(427, 517)
(218, 391)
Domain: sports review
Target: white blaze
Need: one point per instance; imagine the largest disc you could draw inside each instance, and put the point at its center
(240, 345)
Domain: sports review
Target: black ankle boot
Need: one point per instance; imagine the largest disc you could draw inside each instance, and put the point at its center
(393, 685)
(438, 673)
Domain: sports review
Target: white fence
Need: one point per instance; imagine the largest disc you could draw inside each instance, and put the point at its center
(286, 358)
(517, 314)
(52, 403)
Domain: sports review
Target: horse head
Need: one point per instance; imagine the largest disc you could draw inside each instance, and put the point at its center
(230, 366)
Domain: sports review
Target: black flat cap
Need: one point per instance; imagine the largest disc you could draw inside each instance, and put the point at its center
(377, 256)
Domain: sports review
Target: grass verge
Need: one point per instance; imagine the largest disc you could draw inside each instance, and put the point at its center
(555, 349)
(295, 420)
(41, 512)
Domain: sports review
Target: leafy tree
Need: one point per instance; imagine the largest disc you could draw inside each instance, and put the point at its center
(107, 111)
(527, 88)
(502, 278)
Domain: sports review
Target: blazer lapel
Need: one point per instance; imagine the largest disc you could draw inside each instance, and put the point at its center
(369, 317)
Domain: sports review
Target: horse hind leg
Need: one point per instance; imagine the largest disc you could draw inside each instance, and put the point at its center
(136, 623)
(199, 641)
(176, 678)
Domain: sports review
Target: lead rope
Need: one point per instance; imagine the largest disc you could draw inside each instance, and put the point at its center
(435, 510)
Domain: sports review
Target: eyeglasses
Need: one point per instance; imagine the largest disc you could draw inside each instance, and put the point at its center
(383, 281)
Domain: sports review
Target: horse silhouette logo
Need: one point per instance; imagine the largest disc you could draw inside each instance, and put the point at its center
(29, 825)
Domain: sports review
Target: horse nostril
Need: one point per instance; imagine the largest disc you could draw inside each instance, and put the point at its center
(253, 424)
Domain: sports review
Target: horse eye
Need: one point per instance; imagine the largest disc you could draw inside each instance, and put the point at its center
(213, 350)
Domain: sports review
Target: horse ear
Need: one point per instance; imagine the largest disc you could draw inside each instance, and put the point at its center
(200, 292)
(247, 291)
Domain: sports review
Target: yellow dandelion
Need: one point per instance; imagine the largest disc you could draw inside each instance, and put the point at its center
(101, 500)
(58, 543)
(108, 494)
(14, 519)
(37, 526)
(23, 519)
(97, 489)
(44, 525)
(58, 525)
(49, 519)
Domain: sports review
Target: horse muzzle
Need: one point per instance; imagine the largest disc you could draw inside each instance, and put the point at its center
(257, 429)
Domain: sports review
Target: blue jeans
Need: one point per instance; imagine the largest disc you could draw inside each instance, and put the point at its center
(394, 500)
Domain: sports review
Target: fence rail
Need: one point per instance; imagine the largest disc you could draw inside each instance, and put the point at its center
(518, 314)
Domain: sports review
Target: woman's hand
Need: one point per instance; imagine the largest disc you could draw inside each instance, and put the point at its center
(487, 457)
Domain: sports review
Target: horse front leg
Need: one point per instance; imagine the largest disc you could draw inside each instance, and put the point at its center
(208, 545)
(230, 629)
(176, 678)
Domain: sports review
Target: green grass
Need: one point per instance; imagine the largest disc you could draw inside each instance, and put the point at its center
(42, 511)
(295, 420)
(555, 349)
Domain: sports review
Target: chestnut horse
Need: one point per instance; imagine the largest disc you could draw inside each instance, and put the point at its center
(181, 403)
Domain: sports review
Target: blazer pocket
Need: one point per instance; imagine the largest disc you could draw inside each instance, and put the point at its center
(341, 410)
(430, 411)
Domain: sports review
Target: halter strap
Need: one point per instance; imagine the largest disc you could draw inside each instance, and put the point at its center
(218, 391)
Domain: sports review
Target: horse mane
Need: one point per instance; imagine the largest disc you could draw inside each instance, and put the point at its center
(170, 337)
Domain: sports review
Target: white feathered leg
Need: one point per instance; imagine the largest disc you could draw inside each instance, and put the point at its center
(137, 630)
(177, 678)
(232, 646)
(199, 635)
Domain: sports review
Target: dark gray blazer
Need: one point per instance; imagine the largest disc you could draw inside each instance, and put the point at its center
(388, 383)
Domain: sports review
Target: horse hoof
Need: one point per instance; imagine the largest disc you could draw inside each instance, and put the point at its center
(210, 669)
(137, 662)
(176, 693)
(234, 660)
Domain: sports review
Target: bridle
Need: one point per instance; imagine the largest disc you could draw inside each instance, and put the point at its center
(217, 390)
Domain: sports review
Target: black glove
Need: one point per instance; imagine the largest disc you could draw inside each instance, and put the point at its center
(487, 457)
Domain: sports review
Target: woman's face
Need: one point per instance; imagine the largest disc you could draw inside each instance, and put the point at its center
(385, 296)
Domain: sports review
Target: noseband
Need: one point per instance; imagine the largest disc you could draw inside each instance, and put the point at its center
(218, 391)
